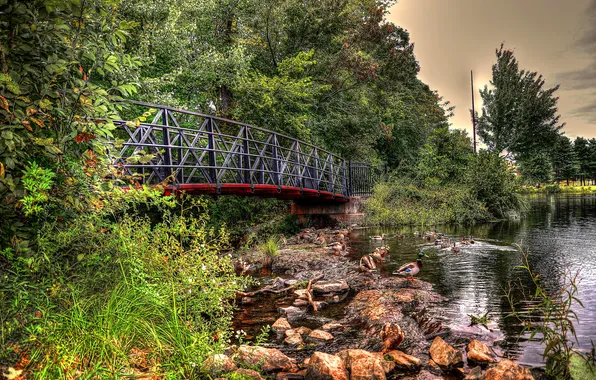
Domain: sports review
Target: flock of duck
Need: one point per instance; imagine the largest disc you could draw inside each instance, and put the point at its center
(409, 270)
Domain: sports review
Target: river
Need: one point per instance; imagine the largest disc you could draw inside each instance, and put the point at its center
(559, 232)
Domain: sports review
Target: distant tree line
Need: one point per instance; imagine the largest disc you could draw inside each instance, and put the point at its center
(575, 160)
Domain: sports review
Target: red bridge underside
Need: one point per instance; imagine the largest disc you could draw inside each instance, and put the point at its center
(265, 191)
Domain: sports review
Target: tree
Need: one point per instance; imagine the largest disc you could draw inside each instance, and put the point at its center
(518, 115)
(62, 71)
(564, 159)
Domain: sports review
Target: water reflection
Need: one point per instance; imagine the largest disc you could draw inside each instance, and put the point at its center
(559, 233)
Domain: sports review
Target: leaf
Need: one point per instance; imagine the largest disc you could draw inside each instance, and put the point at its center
(1, 170)
(4, 103)
(80, 256)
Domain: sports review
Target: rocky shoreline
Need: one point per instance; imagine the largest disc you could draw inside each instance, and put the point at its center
(386, 330)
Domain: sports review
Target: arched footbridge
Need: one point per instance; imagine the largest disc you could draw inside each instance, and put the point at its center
(203, 154)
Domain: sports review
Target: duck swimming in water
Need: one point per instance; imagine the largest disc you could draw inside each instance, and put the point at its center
(409, 270)
(378, 237)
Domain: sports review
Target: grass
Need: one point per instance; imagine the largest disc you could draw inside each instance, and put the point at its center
(558, 188)
(270, 247)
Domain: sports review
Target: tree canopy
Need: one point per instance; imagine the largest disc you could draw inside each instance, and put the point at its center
(519, 115)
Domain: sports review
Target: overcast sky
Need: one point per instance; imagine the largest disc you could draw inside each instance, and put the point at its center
(557, 38)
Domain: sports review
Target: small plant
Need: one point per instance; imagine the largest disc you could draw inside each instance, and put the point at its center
(550, 318)
(479, 320)
(269, 249)
(37, 182)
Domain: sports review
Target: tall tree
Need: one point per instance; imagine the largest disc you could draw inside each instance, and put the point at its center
(518, 114)
(564, 159)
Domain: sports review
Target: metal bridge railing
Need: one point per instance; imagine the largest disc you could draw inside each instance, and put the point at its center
(189, 147)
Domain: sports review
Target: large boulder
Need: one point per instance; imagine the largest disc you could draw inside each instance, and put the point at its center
(330, 286)
(404, 361)
(218, 364)
(268, 359)
(447, 357)
(322, 366)
(508, 370)
(363, 365)
(479, 353)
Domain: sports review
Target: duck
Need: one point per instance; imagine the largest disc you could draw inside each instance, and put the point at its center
(336, 248)
(446, 244)
(378, 237)
(455, 248)
(409, 270)
(367, 264)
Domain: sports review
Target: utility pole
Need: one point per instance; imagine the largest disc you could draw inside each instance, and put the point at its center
(473, 112)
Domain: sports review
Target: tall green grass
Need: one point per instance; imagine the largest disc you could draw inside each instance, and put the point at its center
(119, 295)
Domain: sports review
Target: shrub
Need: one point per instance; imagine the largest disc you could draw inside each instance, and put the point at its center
(399, 201)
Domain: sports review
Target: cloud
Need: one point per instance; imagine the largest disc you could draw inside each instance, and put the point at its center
(584, 78)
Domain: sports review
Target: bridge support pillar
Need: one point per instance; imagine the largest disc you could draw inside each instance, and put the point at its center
(321, 214)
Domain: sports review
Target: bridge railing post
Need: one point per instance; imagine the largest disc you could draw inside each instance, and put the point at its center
(167, 156)
(277, 178)
(350, 179)
(344, 180)
(315, 173)
(211, 152)
(246, 157)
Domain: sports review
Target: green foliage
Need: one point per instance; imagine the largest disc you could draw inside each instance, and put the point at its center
(62, 70)
(493, 183)
(270, 247)
(479, 320)
(36, 181)
(518, 115)
(550, 318)
(130, 290)
(400, 201)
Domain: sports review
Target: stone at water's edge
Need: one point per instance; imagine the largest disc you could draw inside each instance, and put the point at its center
(330, 286)
(391, 336)
(508, 370)
(362, 365)
(447, 357)
(332, 326)
(319, 336)
(281, 325)
(479, 353)
(293, 339)
(475, 374)
(249, 374)
(425, 375)
(269, 359)
(322, 366)
(303, 330)
(404, 361)
(301, 293)
(218, 364)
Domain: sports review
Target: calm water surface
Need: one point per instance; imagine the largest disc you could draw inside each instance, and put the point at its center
(560, 234)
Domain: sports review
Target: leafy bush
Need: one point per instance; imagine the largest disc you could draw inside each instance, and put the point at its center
(492, 183)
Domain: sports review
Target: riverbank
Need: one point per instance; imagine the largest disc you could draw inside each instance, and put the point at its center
(332, 315)
(558, 189)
